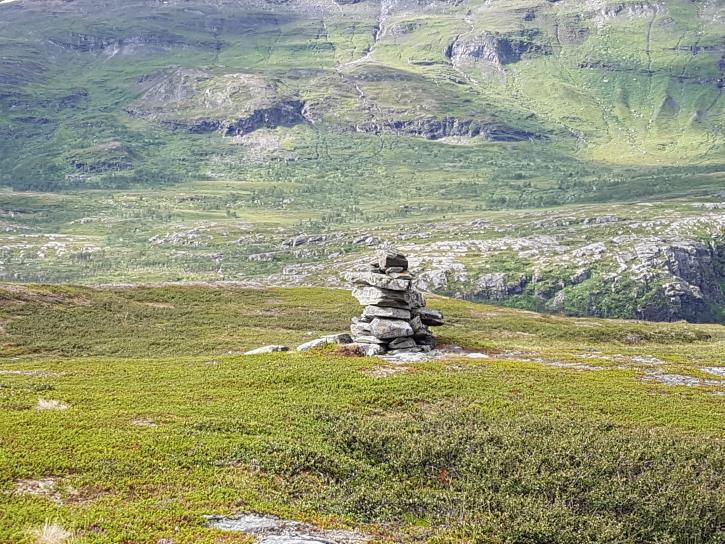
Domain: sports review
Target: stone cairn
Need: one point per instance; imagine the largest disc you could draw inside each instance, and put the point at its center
(395, 319)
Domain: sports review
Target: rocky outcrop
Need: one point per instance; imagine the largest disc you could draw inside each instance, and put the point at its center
(435, 129)
(112, 45)
(696, 275)
(283, 114)
(492, 49)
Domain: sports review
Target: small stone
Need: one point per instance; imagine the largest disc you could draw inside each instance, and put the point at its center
(267, 349)
(417, 325)
(402, 343)
(394, 313)
(368, 350)
(369, 340)
(416, 299)
(360, 329)
(390, 328)
(391, 259)
(394, 270)
(343, 338)
(379, 280)
(432, 318)
(312, 344)
(425, 340)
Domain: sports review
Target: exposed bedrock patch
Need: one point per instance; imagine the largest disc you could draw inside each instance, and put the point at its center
(284, 114)
(495, 50)
(273, 530)
(435, 129)
(90, 43)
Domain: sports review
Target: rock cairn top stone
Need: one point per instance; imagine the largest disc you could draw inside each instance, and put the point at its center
(394, 319)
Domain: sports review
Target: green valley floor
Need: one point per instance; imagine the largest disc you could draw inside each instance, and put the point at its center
(127, 415)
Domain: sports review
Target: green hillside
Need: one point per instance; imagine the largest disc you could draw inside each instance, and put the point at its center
(111, 93)
(179, 140)
(129, 414)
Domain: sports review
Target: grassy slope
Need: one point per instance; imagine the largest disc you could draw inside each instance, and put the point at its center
(507, 449)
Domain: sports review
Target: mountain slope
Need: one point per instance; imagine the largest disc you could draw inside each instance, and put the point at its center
(176, 140)
(123, 91)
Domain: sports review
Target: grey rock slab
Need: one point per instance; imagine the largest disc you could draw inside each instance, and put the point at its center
(267, 349)
(360, 329)
(373, 296)
(390, 328)
(273, 530)
(368, 339)
(343, 338)
(382, 281)
(386, 311)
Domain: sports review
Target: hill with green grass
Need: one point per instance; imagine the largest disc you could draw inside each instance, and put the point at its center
(202, 140)
(131, 414)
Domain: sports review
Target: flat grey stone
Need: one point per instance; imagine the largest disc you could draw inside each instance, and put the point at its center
(273, 530)
(382, 281)
(368, 339)
(390, 328)
(267, 349)
(374, 296)
(342, 338)
(386, 311)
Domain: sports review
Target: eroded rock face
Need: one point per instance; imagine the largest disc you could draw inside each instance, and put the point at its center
(435, 129)
(284, 114)
(491, 49)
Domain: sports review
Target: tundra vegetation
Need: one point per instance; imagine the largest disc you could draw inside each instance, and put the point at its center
(558, 430)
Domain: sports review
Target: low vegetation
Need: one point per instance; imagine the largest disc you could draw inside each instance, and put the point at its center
(560, 430)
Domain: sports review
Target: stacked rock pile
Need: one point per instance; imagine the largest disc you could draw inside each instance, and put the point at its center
(395, 319)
